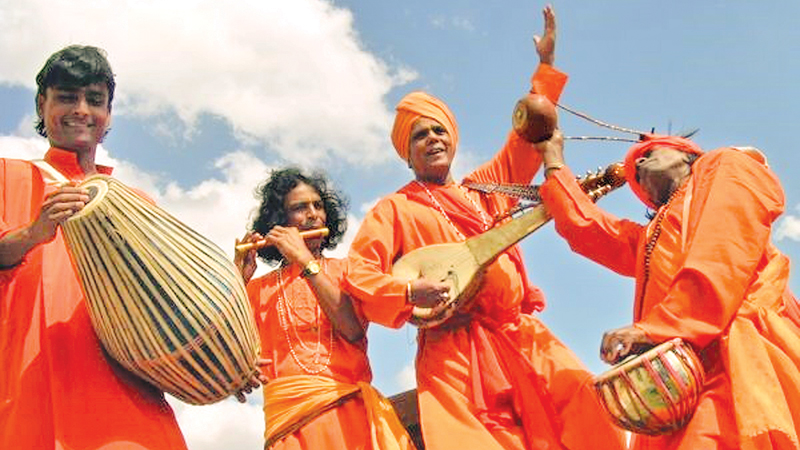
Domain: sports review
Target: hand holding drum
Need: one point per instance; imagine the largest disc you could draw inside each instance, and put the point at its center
(535, 118)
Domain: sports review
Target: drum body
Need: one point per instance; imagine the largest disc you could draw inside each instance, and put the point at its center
(655, 392)
(165, 302)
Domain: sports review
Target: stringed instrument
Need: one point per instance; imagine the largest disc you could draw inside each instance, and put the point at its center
(460, 264)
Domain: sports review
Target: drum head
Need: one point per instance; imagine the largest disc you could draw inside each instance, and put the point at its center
(97, 185)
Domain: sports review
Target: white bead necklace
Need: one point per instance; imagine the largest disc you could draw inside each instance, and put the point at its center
(484, 217)
(285, 321)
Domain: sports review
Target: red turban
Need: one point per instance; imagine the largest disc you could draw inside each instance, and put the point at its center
(412, 107)
(648, 142)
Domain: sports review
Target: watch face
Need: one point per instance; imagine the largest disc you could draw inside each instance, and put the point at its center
(312, 268)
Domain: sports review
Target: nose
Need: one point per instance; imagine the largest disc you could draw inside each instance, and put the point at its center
(313, 212)
(82, 106)
(432, 136)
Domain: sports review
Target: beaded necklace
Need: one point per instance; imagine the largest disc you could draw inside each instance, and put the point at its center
(651, 243)
(284, 318)
(484, 217)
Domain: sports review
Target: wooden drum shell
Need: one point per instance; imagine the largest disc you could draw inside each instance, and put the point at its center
(165, 302)
(653, 393)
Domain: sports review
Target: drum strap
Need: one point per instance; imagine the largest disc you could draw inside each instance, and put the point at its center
(50, 174)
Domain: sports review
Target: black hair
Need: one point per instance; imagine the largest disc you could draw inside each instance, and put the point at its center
(272, 212)
(73, 66)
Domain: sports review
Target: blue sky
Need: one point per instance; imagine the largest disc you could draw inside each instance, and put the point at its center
(210, 97)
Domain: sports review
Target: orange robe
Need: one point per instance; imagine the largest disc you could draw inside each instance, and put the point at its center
(500, 380)
(716, 281)
(304, 325)
(58, 390)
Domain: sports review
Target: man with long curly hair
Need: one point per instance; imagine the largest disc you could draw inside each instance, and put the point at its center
(313, 337)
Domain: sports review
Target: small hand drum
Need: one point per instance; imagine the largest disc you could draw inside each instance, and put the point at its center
(655, 392)
(534, 118)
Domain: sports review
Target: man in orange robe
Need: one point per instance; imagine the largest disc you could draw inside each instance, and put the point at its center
(313, 338)
(706, 272)
(58, 390)
(492, 377)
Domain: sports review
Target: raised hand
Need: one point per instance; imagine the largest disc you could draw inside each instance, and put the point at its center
(546, 45)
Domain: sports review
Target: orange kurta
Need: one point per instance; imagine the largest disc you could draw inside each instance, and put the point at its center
(57, 388)
(501, 380)
(293, 337)
(716, 281)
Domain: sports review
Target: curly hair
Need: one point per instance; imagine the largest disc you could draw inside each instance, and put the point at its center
(272, 212)
(73, 66)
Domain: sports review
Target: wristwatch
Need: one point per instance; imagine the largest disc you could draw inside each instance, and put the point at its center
(312, 268)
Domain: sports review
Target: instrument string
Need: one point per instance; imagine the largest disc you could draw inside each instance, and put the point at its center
(600, 122)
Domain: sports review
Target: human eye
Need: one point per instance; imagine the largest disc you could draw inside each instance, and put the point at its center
(96, 99)
(440, 130)
(419, 135)
(67, 97)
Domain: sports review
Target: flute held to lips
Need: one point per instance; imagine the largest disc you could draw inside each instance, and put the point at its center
(308, 234)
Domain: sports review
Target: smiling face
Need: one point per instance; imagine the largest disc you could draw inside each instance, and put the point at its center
(75, 118)
(661, 170)
(430, 151)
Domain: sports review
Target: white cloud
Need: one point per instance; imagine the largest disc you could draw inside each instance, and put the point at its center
(293, 76)
(227, 424)
(456, 22)
(219, 208)
(789, 228)
(22, 148)
(406, 379)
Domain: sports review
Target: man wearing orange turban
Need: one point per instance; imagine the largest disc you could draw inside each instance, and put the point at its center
(705, 272)
(492, 377)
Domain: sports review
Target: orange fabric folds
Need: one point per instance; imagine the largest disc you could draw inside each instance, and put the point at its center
(292, 401)
(58, 390)
(714, 279)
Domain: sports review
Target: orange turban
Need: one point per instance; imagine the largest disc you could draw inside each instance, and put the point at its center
(648, 142)
(412, 107)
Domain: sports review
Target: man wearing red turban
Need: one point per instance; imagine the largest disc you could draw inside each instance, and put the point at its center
(705, 272)
(492, 377)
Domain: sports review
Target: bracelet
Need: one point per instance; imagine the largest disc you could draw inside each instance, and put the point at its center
(553, 166)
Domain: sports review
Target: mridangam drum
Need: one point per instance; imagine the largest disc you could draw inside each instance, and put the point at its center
(655, 392)
(165, 302)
